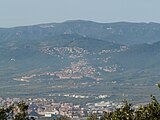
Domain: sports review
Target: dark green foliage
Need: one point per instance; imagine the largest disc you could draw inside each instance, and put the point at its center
(22, 115)
(3, 114)
(63, 118)
(8, 113)
(124, 113)
(159, 85)
(150, 111)
(93, 117)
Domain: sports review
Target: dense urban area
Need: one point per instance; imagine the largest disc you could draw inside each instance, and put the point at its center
(47, 108)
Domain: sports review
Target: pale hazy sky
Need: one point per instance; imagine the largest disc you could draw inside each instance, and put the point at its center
(27, 12)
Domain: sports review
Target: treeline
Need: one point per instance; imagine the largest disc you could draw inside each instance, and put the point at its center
(15, 112)
(150, 111)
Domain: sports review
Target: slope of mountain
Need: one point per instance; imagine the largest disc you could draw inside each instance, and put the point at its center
(82, 58)
(141, 56)
(48, 52)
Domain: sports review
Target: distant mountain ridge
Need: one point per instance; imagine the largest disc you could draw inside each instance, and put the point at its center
(120, 32)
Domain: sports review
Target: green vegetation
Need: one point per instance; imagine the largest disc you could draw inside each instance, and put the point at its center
(150, 111)
(15, 112)
(63, 118)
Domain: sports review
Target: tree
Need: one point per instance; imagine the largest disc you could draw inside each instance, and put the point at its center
(3, 114)
(123, 113)
(7, 113)
(150, 111)
(63, 118)
(23, 113)
(159, 85)
(93, 117)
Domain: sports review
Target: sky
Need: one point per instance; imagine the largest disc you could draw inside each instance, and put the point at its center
(29, 12)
